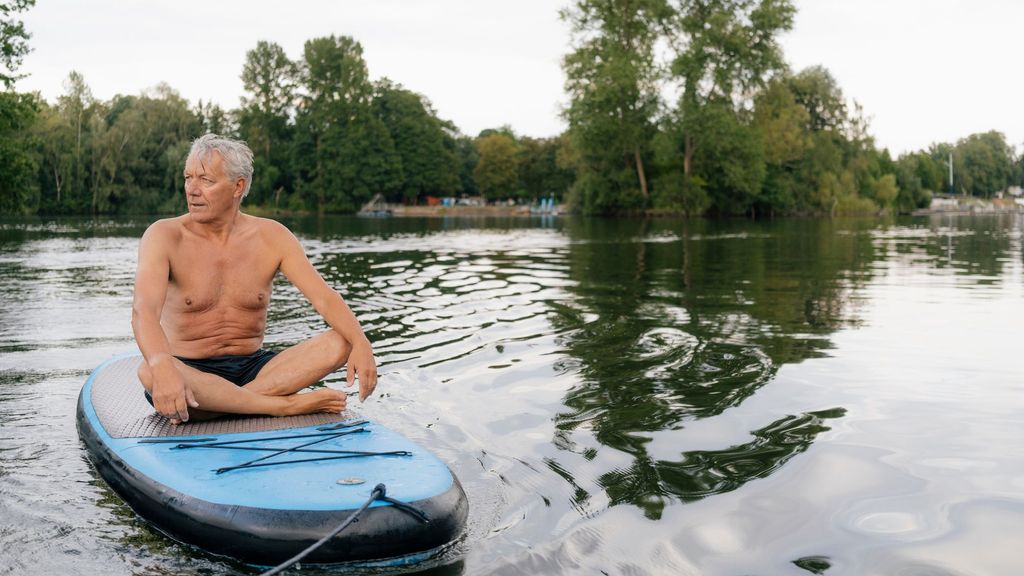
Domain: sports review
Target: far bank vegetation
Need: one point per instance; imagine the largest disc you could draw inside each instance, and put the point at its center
(741, 135)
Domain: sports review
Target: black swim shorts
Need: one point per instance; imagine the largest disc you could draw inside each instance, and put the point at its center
(239, 370)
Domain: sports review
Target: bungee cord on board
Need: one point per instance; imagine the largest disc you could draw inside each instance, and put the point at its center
(379, 493)
(325, 434)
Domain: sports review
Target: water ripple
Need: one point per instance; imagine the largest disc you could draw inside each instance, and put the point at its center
(648, 396)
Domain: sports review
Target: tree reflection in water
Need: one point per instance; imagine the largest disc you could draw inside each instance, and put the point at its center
(673, 322)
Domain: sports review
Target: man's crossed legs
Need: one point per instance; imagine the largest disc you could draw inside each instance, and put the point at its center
(274, 390)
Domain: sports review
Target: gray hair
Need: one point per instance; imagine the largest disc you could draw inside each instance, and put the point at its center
(236, 154)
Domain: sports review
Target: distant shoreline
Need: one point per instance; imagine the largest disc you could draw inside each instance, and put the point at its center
(442, 211)
(970, 206)
(958, 206)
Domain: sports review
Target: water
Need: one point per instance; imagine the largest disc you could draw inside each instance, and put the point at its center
(618, 397)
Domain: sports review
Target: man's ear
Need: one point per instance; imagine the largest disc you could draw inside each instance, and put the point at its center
(239, 188)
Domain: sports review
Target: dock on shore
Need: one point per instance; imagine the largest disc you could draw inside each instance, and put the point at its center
(969, 205)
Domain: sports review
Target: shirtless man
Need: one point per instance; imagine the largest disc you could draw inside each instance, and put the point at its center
(200, 310)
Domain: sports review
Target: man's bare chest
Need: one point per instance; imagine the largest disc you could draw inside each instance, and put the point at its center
(201, 282)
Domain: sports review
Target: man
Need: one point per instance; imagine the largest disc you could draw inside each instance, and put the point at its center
(202, 288)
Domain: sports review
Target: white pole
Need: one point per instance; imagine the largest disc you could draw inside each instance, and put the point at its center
(951, 189)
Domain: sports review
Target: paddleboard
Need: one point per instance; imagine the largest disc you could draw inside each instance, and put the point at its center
(261, 489)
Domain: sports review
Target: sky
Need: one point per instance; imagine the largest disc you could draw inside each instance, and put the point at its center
(924, 71)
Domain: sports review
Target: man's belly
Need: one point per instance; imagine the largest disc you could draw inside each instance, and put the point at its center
(207, 335)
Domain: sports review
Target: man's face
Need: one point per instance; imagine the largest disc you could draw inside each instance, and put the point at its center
(208, 189)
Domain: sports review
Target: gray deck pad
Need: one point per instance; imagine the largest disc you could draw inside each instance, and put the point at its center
(117, 396)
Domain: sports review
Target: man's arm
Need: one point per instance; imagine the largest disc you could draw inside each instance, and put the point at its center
(171, 395)
(297, 268)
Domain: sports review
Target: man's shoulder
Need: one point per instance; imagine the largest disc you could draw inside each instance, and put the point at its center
(166, 228)
(262, 222)
(278, 240)
(161, 239)
(268, 227)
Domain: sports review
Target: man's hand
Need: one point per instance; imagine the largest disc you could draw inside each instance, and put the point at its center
(361, 364)
(172, 396)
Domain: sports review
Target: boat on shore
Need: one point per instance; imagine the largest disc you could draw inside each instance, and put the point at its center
(377, 207)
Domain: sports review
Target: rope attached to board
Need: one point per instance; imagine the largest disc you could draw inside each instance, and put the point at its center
(379, 493)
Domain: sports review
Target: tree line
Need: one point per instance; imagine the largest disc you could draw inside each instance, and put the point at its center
(324, 138)
(745, 135)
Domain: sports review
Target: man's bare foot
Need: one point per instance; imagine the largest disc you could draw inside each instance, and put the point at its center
(321, 400)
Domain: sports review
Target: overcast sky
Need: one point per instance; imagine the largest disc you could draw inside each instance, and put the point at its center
(924, 70)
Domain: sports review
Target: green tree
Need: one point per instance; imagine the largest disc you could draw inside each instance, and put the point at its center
(730, 160)
(1019, 167)
(56, 144)
(467, 157)
(918, 177)
(931, 173)
(674, 190)
(17, 114)
(817, 91)
(75, 107)
(783, 124)
(612, 81)
(269, 79)
(215, 119)
(131, 163)
(886, 191)
(344, 151)
(18, 168)
(13, 39)
(983, 164)
(724, 51)
(497, 171)
(540, 174)
(820, 157)
(423, 142)
(941, 154)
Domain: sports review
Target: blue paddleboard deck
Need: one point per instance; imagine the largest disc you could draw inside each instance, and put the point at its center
(263, 489)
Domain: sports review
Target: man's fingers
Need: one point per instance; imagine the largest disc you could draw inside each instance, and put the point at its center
(190, 398)
(367, 384)
(164, 407)
(182, 409)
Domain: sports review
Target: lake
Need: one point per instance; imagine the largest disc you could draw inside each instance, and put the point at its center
(788, 397)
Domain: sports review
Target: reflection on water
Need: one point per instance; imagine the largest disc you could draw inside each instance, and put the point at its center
(702, 473)
(684, 397)
(674, 325)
